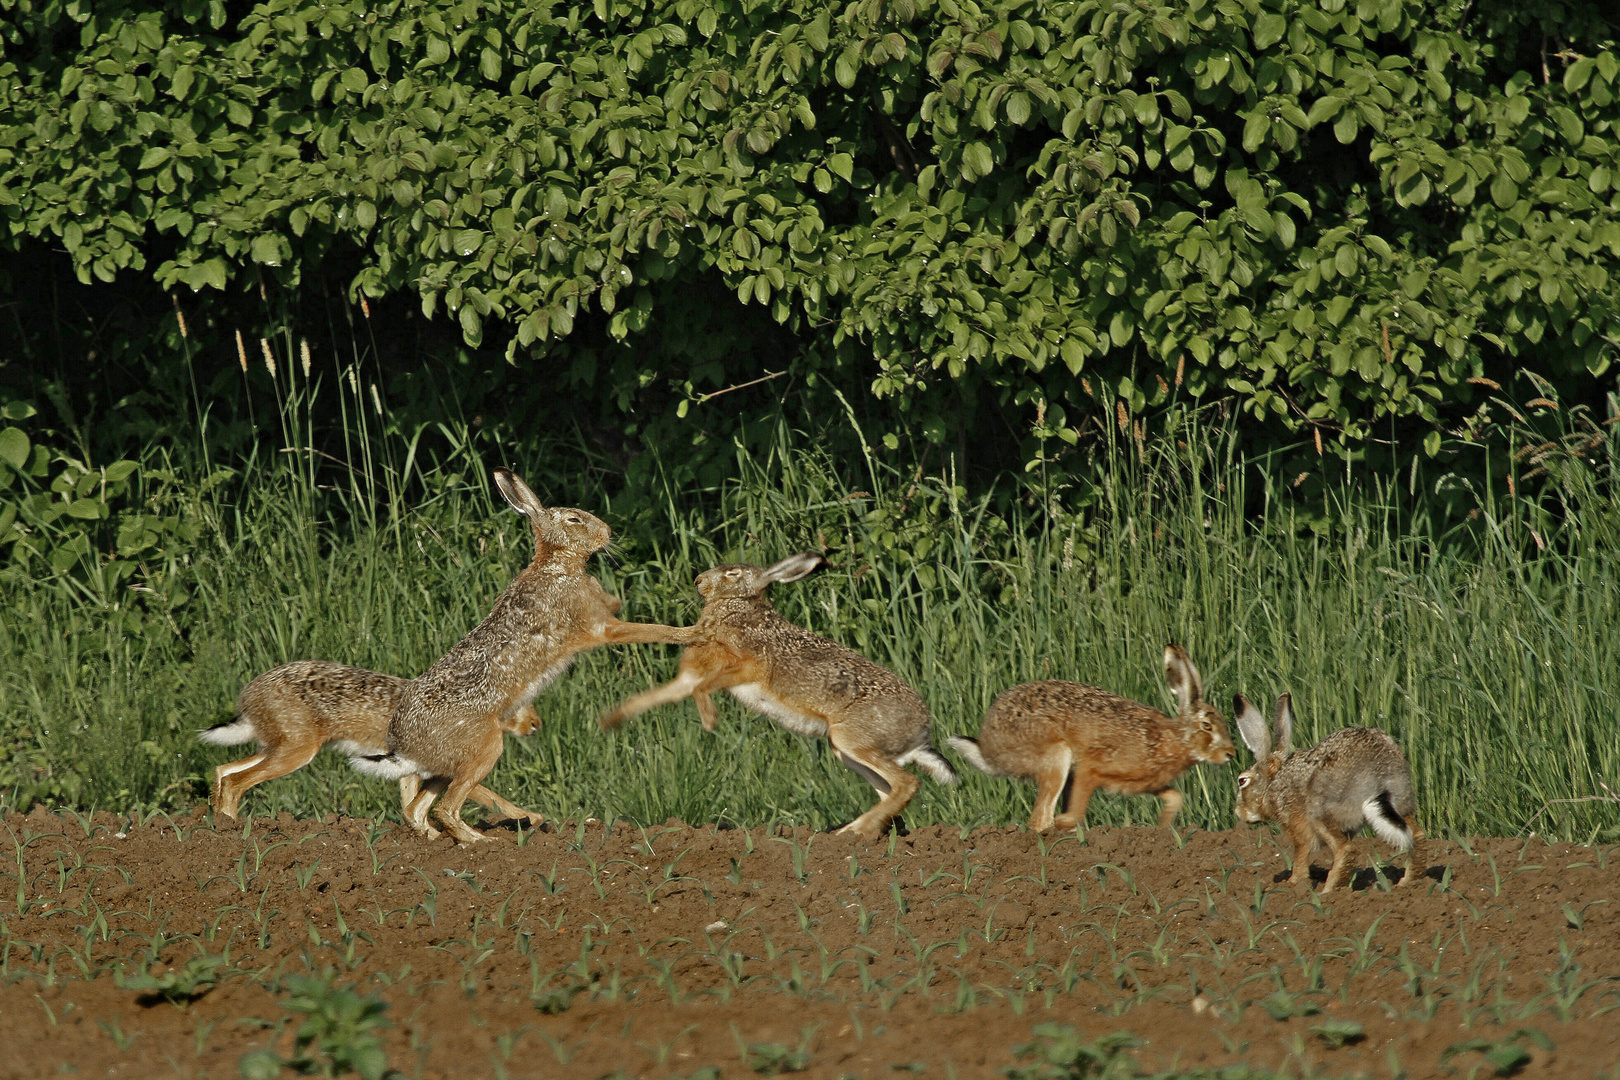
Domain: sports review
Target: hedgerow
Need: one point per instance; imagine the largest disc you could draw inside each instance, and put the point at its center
(1346, 215)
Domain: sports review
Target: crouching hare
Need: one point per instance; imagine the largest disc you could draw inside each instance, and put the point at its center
(874, 719)
(294, 710)
(447, 726)
(1356, 776)
(1045, 731)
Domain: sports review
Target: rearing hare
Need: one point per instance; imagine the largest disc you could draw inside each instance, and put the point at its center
(297, 708)
(1356, 776)
(447, 727)
(876, 722)
(1044, 731)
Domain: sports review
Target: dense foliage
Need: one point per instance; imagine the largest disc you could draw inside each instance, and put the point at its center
(1337, 212)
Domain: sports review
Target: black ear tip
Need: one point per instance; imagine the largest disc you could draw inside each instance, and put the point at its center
(1238, 703)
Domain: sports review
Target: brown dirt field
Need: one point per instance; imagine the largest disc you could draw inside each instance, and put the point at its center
(934, 954)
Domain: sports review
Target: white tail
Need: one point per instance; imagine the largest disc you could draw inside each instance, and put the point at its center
(1390, 826)
(928, 760)
(969, 748)
(236, 731)
(387, 766)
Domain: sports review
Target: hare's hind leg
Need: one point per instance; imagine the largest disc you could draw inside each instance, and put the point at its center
(1344, 850)
(485, 797)
(415, 808)
(1054, 773)
(224, 800)
(901, 786)
(681, 686)
(1414, 868)
(235, 779)
(447, 811)
(706, 710)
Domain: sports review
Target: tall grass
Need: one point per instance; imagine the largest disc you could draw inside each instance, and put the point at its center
(1491, 657)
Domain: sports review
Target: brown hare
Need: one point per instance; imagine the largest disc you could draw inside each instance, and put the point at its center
(876, 722)
(1047, 731)
(295, 709)
(447, 726)
(1356, 776)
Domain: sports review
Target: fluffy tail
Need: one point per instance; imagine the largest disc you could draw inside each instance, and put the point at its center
(1389, 825)
(387, 766)
(969, 748)
(928, 760)
(229, 733)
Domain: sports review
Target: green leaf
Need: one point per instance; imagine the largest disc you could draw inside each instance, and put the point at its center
(1268, 30)
(977, 160)
(259, 1065)
(266, 249)
(14, 447)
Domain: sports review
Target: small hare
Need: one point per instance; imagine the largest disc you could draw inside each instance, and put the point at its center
(812, 686)
(447, 726)
(297, 708)
(1047, 731)
(1356, 776)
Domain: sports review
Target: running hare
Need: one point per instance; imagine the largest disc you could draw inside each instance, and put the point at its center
(876, 722)
(1356, 776)
(297, 708)
(1044, 731)
(447, 726)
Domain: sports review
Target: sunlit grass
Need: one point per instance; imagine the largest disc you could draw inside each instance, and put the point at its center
(1492, 663)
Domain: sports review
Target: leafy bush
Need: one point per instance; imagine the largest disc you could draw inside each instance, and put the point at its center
(1342, 213)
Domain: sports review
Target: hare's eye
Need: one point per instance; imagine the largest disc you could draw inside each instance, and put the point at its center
(574, 519)
(1243, 781)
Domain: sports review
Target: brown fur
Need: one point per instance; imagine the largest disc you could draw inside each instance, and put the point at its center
(447, 726)
(295, 709)
(1047, 731)
(874, 719)
(1322, 794)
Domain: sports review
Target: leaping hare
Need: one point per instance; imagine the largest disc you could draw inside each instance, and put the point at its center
(1356, 776)
(295, 709)
(447, 726)
(876, 722)
(1045, 731)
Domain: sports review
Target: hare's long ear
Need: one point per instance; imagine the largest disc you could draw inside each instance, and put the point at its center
(795, 567)
(518, 495)
(1252, 726)
(1183, 677)
(1283, 723)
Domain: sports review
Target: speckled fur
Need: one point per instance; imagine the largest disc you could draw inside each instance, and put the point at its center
(1354, 777)
(875, 720)
(447, 725)
(1047, 731)
(295, 709)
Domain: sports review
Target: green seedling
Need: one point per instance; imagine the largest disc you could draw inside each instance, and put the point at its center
(1337, 1033)
(336, 1037)
(555, 1000)
(1283, 1005)
(1505, 1057)
(180, 986)
(1059, 1054)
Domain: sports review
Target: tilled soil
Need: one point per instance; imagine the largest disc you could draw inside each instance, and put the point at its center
(670, 950)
